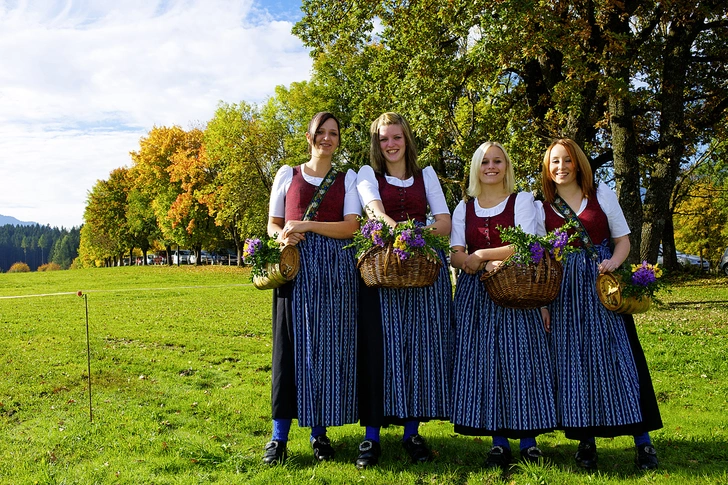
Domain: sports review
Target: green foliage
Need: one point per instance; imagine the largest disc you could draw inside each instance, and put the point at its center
(19, 267)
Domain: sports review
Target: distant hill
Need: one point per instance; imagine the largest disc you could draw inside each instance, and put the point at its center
(14, 222)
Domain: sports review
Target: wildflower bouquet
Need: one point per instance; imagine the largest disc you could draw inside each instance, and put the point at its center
(260, 252)
(531, 249)
(407, 239)
(273, 264)
(398, 257)
(629, 289)
(640, 280)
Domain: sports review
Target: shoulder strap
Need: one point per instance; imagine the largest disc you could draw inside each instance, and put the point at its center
(318, 196)
(570, 216)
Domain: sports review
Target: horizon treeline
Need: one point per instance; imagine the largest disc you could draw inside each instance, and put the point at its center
(37, 245)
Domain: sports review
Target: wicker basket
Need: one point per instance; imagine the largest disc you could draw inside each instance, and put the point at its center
(609, 290)
(282, 272)
(527, 286)
(382, 268)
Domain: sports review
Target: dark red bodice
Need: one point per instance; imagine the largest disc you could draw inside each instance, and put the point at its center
(300, 193)
(481, 232)
(402, 203)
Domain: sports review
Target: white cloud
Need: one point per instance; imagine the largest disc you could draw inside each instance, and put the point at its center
(82, 81)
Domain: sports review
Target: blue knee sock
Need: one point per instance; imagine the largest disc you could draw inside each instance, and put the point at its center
(642, 439)
(501, 441)
(372, 433)
(281, 427)
(317, 431)
(410, 428)
(526, 443)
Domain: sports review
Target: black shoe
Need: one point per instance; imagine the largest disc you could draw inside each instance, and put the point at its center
(417, 449)
(586, 455)
(498, 457)
(646, 457)
(369, 453)
(322, 448)
(275, 452)
(532, 454)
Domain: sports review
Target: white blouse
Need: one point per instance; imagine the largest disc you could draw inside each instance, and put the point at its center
(282, 183)
(525, 215)
(609, 204)
(368, 188)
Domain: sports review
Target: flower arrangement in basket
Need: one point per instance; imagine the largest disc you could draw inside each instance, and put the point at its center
(398, 257)
(273, 264)
(531, 276)
(630, 289)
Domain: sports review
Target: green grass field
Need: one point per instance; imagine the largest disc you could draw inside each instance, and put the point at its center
(180, 381)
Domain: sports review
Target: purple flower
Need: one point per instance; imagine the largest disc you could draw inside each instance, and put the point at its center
(562, 239)
(401, 253)
(536, 252)
(643, 275)
(251, 247)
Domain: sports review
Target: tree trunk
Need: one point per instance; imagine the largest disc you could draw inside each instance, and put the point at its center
(624, 141)
(676, 55)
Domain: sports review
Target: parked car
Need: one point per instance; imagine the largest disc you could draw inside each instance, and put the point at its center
(691, 261)
(181, 256)
(686, 260)
(227, 256)
(205, 258)
(140, 260)
(723, 265)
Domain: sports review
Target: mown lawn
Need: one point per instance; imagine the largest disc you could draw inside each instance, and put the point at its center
(180, 371)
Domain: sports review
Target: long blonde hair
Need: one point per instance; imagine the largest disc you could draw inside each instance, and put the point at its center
(474, 186)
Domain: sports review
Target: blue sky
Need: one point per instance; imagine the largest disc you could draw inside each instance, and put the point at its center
(82, 81)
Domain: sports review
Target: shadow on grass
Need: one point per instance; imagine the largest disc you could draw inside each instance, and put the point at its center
(457, 460)
(718, 304)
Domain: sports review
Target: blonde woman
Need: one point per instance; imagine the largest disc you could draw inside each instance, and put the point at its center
(502, 373)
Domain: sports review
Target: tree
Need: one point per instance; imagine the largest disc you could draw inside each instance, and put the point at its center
(238, 194)
(105, 230)
(150, 176)
(44, 243)
(616, 76)
(190, 218)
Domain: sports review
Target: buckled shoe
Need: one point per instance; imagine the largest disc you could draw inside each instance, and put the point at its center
(532, 454)
(275, 452)
(498, 457)
(586, 455)
(646, 457)
(369, 453)
(417, 449)
(322, 448)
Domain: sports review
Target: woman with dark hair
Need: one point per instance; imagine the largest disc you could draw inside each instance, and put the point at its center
(404, 334)
(604, 388)
(314, 316)
(503, 383)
